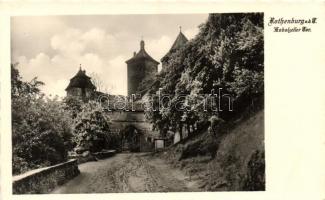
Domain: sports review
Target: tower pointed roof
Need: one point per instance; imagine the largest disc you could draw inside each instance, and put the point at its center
(141, 54)
(81, 80)
(180, 41)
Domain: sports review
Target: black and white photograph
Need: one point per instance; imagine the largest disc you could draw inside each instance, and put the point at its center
(137, 103)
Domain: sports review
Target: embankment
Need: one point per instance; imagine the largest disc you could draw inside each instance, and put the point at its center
(233, 161)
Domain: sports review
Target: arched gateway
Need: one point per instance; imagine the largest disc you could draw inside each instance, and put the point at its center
(136, 134)
(135, 140)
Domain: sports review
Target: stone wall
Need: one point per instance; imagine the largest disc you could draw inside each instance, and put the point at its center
(127, 116)
(44, 180)
(139, 70)
(120, 120)
(135, 74)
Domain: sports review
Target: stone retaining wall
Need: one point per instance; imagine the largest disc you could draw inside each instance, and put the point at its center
(104, 154)
(44, 180)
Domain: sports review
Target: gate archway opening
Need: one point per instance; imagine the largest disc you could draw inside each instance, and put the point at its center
(134, 139)
(131, 139)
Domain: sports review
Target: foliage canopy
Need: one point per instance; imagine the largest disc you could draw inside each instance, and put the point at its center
(227, 54)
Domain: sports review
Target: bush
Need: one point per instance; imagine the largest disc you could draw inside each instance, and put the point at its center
(91, 129)
(255, 178)
(215, 124)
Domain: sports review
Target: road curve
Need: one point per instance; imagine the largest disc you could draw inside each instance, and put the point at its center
(128, 172)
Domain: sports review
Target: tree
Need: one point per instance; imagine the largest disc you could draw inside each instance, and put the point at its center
(41, 131)
(227, 54)
(91, 129)
(99, 83)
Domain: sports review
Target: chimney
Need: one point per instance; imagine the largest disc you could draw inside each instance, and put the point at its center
(134, 53)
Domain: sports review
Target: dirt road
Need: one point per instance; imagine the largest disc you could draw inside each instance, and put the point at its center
(128, 172)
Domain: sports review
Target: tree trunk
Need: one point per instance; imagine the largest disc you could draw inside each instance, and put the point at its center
(180, 132)
(188, 130)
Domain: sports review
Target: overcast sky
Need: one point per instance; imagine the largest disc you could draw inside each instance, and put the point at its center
(53, 47)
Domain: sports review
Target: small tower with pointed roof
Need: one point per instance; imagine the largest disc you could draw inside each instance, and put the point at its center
(180, 41)
(80, 86)
(140, 67)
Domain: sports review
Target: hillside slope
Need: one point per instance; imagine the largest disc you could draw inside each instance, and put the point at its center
(238, 163)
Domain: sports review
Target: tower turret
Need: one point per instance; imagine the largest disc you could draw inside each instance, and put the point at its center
(80, 86)
(140, 67)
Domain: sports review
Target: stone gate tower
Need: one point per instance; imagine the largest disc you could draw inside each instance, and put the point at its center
(140, 67)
